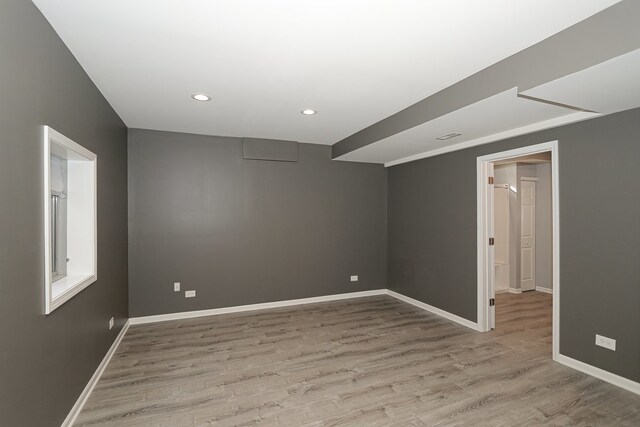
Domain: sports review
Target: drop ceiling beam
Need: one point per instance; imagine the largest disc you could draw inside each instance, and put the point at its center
(603, 36)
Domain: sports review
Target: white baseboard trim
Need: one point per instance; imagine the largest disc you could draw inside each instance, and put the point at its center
(502, 291)
(252, 307)
(515, 290)
(77, 407)
(607, 376)
(288, 303)
(462, 321)
(543, 289)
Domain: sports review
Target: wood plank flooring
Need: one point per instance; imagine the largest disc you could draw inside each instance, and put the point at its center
(368, 361)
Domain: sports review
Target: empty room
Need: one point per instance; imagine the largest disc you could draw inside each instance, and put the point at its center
(319, 213)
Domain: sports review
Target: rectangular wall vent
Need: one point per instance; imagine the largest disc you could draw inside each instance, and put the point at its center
(448, 136)
(269, 149)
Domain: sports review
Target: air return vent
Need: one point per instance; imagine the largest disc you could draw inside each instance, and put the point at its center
(448, 136)
(269, 149)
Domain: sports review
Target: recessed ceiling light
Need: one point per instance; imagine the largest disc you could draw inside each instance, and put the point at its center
(201, 97)
(308, 112)
(448, 136)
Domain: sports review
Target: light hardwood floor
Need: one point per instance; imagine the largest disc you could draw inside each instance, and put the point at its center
(368, 361)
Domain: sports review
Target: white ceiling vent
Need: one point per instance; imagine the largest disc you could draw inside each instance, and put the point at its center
(448, 136)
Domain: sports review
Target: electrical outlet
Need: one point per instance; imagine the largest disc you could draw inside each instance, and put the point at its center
(608, 343)
(354, 278)
(111, 323)
(176, 286)
(189, 294)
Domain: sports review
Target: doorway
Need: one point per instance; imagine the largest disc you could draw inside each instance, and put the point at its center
(494, 269)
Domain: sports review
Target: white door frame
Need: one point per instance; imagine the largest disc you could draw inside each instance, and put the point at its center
(485, 213)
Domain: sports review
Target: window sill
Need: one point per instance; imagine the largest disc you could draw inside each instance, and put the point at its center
(64, 289)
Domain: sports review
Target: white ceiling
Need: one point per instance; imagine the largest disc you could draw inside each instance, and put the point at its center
(605, 88)
(355, 61)
(493, 118)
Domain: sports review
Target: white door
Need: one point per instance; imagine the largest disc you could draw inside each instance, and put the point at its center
(527, 234)
(492, 255)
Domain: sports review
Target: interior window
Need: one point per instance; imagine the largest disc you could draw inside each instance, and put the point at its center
(70, 197)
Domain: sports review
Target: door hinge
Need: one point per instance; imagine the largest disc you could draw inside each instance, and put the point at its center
(490, 180)
(492, 302)
(491, 241)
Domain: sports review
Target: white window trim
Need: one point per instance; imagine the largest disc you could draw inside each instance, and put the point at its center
(69, 286)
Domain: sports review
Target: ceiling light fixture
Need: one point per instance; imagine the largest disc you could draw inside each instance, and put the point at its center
(308, 112)
(448, 136)
(201, 97)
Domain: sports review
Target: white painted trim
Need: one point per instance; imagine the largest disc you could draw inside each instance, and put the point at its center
(77, 408)
(572, 363)
(78, 287)
(52, 134)
(545, 290)
(528, 178)
(302, 301)
(515, 290)
(607, 376)
(547, 124)
(252, 307)
(454, 318)
(58, 144)
(484, 258)
(46, 193)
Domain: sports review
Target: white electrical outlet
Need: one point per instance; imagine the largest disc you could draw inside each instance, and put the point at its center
(354, 278)
(111, 323)
(176, 286)
(605, 342)
(189, 294)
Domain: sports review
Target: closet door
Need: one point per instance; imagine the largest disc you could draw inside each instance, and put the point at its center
(527, 234)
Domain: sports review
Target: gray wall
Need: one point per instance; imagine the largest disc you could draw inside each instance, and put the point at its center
(432, 234)
(242, 231)
(46, 361)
